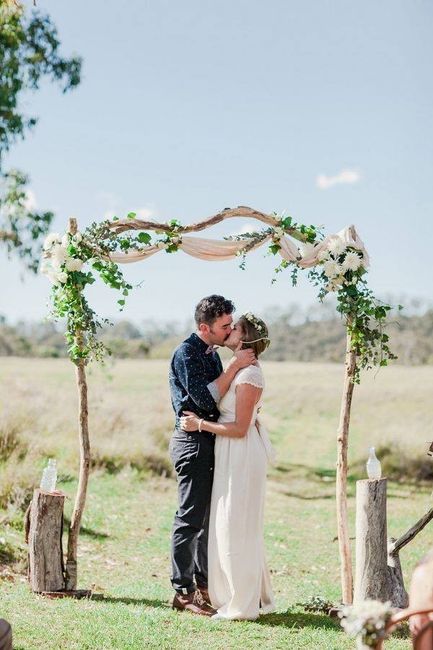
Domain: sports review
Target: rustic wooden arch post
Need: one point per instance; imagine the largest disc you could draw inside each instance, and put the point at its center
(84, 441)
(346, 569)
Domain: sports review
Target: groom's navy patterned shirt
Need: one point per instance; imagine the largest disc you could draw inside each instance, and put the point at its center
(191, 371)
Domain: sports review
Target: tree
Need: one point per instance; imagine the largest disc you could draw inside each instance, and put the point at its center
(29, 52)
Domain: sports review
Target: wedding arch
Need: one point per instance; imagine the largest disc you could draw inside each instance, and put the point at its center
(335, 263)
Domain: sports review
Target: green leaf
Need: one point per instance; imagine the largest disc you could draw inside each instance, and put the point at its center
(131, 215)
(121, 302)
(144, 238)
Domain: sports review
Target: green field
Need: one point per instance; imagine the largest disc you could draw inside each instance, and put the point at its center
(124, 546)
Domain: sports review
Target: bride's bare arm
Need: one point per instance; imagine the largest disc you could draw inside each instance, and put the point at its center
(240, 359)
(247, 397)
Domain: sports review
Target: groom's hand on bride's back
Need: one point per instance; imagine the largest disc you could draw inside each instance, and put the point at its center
(242, 358)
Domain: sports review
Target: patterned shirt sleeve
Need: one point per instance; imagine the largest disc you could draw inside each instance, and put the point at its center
(213, 389)
(192, 375)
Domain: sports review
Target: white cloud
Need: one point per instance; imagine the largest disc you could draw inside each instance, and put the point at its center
(115, 206)
(345, 177)
(248, 227)
(145, 213)
(142, 213)
(109, 214)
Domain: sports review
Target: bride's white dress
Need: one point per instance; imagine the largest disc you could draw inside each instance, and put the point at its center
(239, 580)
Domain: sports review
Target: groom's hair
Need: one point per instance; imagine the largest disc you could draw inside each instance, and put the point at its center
(211, 308)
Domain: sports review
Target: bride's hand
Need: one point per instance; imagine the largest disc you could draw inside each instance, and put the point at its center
(189, 421)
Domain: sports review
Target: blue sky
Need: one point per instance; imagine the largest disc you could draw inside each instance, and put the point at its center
(189, 107)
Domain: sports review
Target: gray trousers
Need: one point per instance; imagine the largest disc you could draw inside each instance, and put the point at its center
(192, 455)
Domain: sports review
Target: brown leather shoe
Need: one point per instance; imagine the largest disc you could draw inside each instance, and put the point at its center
(194, 603)
(204, 592)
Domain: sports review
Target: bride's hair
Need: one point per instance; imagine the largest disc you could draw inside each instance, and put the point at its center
(254, 329)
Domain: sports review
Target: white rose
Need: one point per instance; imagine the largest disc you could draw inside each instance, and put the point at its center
(331, 268)
(336, 246)
(50, 239)
(278, 232)
(65, 240)
(62, 277)
(58, 254)
(52, 276)
(56, 264)
(45, 268)
(74, 264)
(352, 261)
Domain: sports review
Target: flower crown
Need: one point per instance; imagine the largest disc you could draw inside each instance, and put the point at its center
(256, 323)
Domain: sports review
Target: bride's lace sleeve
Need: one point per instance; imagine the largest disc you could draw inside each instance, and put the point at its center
(251, 375)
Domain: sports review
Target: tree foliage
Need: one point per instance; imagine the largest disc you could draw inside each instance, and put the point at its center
(29, 53)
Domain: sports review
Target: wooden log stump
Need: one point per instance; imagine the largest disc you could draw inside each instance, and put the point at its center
(371, 544)
(378, 570)
(46, 570)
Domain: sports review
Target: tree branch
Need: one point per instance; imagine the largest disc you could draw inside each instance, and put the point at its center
(411, 533)
(227, 213)
(6, 235)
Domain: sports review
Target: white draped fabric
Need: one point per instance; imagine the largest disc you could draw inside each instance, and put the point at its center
(213, 250)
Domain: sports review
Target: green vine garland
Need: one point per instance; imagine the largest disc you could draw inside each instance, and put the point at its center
(341, 269)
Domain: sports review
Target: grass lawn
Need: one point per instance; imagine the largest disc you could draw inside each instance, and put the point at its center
(124, 545)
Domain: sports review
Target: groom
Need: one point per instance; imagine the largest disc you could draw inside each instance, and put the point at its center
(197, 383)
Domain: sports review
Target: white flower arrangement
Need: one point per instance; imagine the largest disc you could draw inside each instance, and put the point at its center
(58, 263)
(367, 621)
(342, 264)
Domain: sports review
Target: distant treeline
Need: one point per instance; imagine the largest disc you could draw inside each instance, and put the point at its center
(314, 334)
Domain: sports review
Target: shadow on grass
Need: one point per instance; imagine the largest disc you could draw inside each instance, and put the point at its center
(305, 497)
(319, 475)
(298, 620)
(89, 532)
(126, 600)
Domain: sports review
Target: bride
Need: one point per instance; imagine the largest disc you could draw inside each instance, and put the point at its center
(239, 580)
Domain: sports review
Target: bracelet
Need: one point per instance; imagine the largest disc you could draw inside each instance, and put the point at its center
(200, 422)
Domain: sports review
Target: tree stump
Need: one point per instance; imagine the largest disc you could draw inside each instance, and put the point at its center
(46, 569)
(378, 569)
